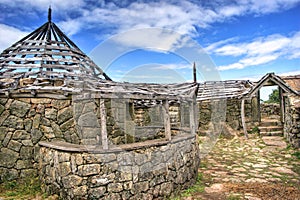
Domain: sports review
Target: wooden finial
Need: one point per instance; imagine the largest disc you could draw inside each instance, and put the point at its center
(49, 14)
(194, 73)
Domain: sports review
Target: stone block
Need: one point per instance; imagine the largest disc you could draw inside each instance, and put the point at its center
(64, 115)
(96, 193)
(25, 173)
(60, 104)
(14, 145)
(23, 164)
(56, 129)
(64, 157)
(65, 169)
(89, 169)
(166, 189)
(13, 122)
(51, 113)
(125, 159)
(45, 121)
(2, 108)
(67, 125)
(26, 152)
(36, 135)
(19, 108)
(36, 121)
(8, 158)
(40, 108)
(27, 124)
(90, 132)
(21, 135)
(88, 120)
(114, 187)
(71, 181)
(40, 100)
(7, 138)
(140, 187)
(3, 101)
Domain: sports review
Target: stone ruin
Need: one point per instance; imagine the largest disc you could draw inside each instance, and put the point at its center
(85, 136)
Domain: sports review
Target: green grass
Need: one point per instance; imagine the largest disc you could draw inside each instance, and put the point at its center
(198, 187)
(22, 189)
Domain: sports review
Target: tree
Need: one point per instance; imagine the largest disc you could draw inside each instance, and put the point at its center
(274, 97)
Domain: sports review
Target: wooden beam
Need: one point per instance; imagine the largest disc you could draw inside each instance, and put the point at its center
(167, 123)
(243, 118)
(103, 125)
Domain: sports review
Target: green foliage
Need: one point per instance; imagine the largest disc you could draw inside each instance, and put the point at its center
(23, 188)
(254, 130)
(297, 154)
(274, 97)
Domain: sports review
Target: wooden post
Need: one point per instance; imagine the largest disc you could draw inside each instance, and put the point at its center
(194, 73)
(192, 117)
(167, 122)
(282, 113)
(103, 124)
(243, 118)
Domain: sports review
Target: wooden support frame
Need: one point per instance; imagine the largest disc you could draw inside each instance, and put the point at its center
(103, 125)
(243, 118)
(167, 122)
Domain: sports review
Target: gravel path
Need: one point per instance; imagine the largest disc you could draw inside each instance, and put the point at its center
(254, 169)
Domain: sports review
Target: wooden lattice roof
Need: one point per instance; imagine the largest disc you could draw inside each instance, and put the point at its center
(223, 89)
(47, 53)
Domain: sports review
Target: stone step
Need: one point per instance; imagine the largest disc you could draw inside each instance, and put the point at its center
(271, 133)
(269, 128)
(270, 123)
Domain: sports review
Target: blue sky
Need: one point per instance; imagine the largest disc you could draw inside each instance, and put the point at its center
(245, 39)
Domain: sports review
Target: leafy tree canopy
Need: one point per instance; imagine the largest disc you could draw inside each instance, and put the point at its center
(273, 97)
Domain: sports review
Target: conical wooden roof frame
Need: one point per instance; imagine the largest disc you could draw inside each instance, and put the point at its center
(47, 53)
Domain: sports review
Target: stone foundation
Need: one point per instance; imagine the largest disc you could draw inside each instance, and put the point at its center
(148, 170)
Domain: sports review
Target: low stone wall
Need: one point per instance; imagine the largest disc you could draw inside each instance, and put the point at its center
(292, 124)
(148, 170)
(269, 109)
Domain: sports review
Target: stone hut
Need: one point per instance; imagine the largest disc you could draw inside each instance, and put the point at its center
(219, 103)
(85, 136)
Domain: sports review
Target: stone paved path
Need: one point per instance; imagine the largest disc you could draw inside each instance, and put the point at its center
(254, 169)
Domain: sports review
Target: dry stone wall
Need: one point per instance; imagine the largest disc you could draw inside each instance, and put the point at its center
(269, 109)
(153, 172)
(228, 111)
(25, 122)
(292, 124)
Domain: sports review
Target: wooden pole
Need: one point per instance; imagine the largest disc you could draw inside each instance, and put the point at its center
(243, 118)
(194, 73)
(103, 124)
(192, 117)
(167, 122)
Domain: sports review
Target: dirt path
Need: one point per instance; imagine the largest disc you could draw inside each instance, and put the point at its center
(254, 169)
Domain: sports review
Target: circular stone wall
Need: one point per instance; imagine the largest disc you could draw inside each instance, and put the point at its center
(148, 170)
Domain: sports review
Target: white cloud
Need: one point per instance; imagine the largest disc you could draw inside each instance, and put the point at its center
(9, 35)
(259, 51)
(44, 4)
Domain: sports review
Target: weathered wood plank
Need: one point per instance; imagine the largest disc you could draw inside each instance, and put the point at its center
(167, 122)
(103, 124)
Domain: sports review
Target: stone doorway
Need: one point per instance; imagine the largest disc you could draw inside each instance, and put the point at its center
(271, 109)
